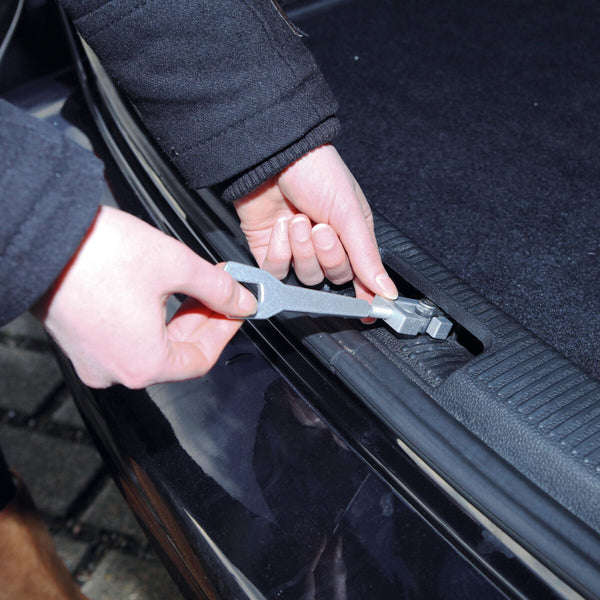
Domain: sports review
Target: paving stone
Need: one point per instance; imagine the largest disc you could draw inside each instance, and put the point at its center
(56, 471)
(71, 551)
(26, 379)
(67, 413)
(110, 512)
(25, 326)
(129, 578)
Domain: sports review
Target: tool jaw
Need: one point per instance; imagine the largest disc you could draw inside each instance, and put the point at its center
(412, 317)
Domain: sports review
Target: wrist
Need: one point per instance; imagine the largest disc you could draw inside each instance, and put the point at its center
(246, 182)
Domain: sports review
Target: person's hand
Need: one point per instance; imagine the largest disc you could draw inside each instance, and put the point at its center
(107, 310)
(315, 215)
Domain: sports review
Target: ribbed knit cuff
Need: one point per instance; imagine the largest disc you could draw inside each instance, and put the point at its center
(248, 181)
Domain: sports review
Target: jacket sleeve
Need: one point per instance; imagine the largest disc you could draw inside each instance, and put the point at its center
(226, 87)
(50, 191)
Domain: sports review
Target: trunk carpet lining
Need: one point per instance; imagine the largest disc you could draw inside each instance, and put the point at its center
(474, 129)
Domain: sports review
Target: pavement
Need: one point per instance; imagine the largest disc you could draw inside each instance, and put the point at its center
(44, 439)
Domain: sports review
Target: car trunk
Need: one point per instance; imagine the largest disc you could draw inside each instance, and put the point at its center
(470, 128)
(473, 127)
(473, 130)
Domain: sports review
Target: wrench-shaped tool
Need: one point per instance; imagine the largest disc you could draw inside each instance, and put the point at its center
(404, 315)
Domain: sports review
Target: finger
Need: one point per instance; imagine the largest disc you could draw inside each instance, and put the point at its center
(355, 235)
(363, 254)
(196, 355)
(214, 288)
(331, 254)
(188, 318)
(306, 264)
(366, 209)
(258, 246)
(321, 186)
(279, 252)
(364, 293)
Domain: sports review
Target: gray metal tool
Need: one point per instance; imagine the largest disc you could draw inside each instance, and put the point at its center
(404, 315)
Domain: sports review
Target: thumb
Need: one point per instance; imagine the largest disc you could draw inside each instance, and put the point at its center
(215, 288)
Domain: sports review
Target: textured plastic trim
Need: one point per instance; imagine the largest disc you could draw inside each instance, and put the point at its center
(519, 384)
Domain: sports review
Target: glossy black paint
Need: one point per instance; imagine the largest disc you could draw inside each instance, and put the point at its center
(236, 472)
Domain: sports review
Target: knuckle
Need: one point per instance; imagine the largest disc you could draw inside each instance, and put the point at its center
(278, 254)
(311, 278)
(224, 288)
(94, 381)
(371, 256)
(282, 272)
(133, 381)
(277, 269)
(134, 377)
(339, 276)
(92, 377)
(334, 262)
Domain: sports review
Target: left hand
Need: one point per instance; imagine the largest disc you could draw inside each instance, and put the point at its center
(107, 309)
(315, 215)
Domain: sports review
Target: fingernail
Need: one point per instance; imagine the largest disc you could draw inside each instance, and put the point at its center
(247, 302)
(301, 230)
(323, 237)
(386, 286)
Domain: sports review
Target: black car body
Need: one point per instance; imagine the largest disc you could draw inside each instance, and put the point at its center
(324, 458)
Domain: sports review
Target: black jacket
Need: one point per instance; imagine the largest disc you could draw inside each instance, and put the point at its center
(49, 193)
(226, 87)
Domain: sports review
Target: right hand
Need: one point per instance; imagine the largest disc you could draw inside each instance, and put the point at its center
(107, 310)
(315, 216)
